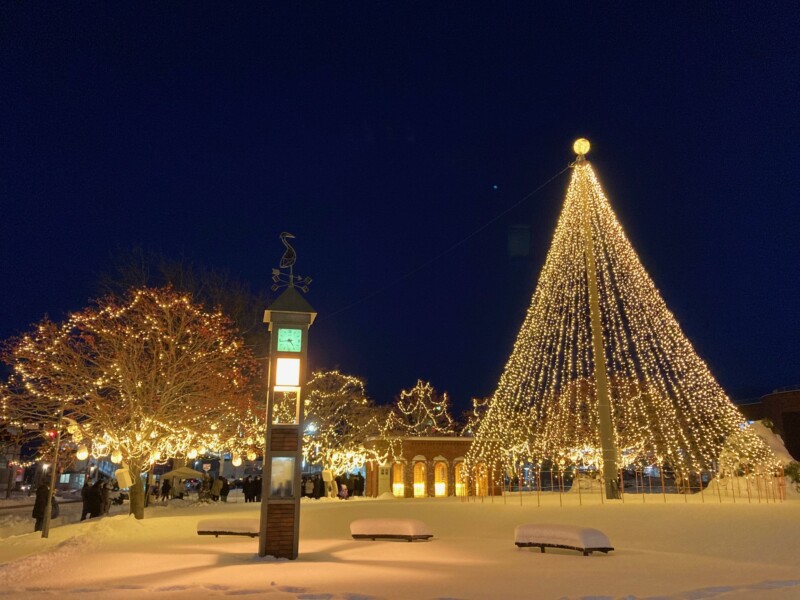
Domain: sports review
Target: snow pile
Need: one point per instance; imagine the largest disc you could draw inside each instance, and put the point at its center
(773, 440)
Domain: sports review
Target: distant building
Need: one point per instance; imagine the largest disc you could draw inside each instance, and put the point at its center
(428, 467)
(782, 407)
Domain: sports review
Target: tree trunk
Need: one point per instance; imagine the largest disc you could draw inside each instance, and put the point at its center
(12, 479)
(136, 491)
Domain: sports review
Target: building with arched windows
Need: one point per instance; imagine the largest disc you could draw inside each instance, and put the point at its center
(427, 467)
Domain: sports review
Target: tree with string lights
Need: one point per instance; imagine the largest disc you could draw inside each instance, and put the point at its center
(472, 418)
(422, 411)
(338, 420)
(601, 373)
(142, 378)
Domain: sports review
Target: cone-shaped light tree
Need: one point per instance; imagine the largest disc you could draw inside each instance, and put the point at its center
(601, 373)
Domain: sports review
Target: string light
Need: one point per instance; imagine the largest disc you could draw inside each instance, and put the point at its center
(667, 408)
(338, 419)
(423, 412)
(139, 378)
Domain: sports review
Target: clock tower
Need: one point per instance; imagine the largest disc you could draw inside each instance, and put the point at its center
(288, 318)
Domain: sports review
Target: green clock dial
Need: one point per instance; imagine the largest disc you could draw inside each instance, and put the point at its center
(290, 340)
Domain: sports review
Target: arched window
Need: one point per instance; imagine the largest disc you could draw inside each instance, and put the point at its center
(440, 479)
(398, 484)
(420, 475)
(461, 480)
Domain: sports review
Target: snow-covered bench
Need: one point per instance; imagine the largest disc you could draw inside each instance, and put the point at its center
(546, 535)
(398, 529)
(218, 527)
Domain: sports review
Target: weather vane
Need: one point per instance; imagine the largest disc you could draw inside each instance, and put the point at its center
(288, 259)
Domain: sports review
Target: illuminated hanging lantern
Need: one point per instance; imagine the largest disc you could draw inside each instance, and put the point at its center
(251, 455)
(82, 453)
(156, 456)
(192, 453)
(236, 461)
(116, 457)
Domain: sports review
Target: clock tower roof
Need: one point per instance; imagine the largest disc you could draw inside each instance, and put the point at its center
(290, 301)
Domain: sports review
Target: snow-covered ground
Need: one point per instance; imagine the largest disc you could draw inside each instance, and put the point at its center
(696, 550)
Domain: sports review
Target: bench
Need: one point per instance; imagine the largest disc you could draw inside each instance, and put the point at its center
(392, 529)
(582, 539)
(218, 527)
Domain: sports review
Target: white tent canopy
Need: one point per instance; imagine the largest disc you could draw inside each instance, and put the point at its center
(183, 473)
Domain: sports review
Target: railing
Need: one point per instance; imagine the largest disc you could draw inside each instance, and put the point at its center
(637, 484)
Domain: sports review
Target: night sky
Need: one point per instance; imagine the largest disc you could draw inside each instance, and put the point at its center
(381, 134)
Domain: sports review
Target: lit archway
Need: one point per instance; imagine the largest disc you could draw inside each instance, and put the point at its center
(440, 479)
(420, 475)
(398, 481)
(460, 479)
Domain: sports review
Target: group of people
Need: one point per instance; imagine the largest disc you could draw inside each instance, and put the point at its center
(251, 488)
(314, 486)
(220, 489)
(96, 499)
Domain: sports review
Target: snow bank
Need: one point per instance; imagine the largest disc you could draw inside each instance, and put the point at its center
(673, 551)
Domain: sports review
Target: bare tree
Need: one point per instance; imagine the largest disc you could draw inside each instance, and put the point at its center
(142, 378)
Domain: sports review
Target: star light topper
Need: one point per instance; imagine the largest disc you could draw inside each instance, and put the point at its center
(288, 259)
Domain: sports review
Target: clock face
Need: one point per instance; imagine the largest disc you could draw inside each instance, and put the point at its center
(290, 340)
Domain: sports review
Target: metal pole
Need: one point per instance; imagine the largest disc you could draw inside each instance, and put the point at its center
(605, 427)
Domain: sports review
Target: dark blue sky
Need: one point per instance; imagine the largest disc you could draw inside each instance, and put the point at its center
(376, 133)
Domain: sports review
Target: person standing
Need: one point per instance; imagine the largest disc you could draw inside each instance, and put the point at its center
(308, 487)
(85, 491)
(224, 490)
(105, 498)
(247, 489)
(40, 505)
(216, 489)
(96, 500)
(165, 488)
(358, 485)
(257, 489)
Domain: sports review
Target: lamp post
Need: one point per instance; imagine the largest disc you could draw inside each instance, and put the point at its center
(289, 318)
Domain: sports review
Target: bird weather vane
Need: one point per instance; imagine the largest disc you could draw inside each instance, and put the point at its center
(288, 259)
